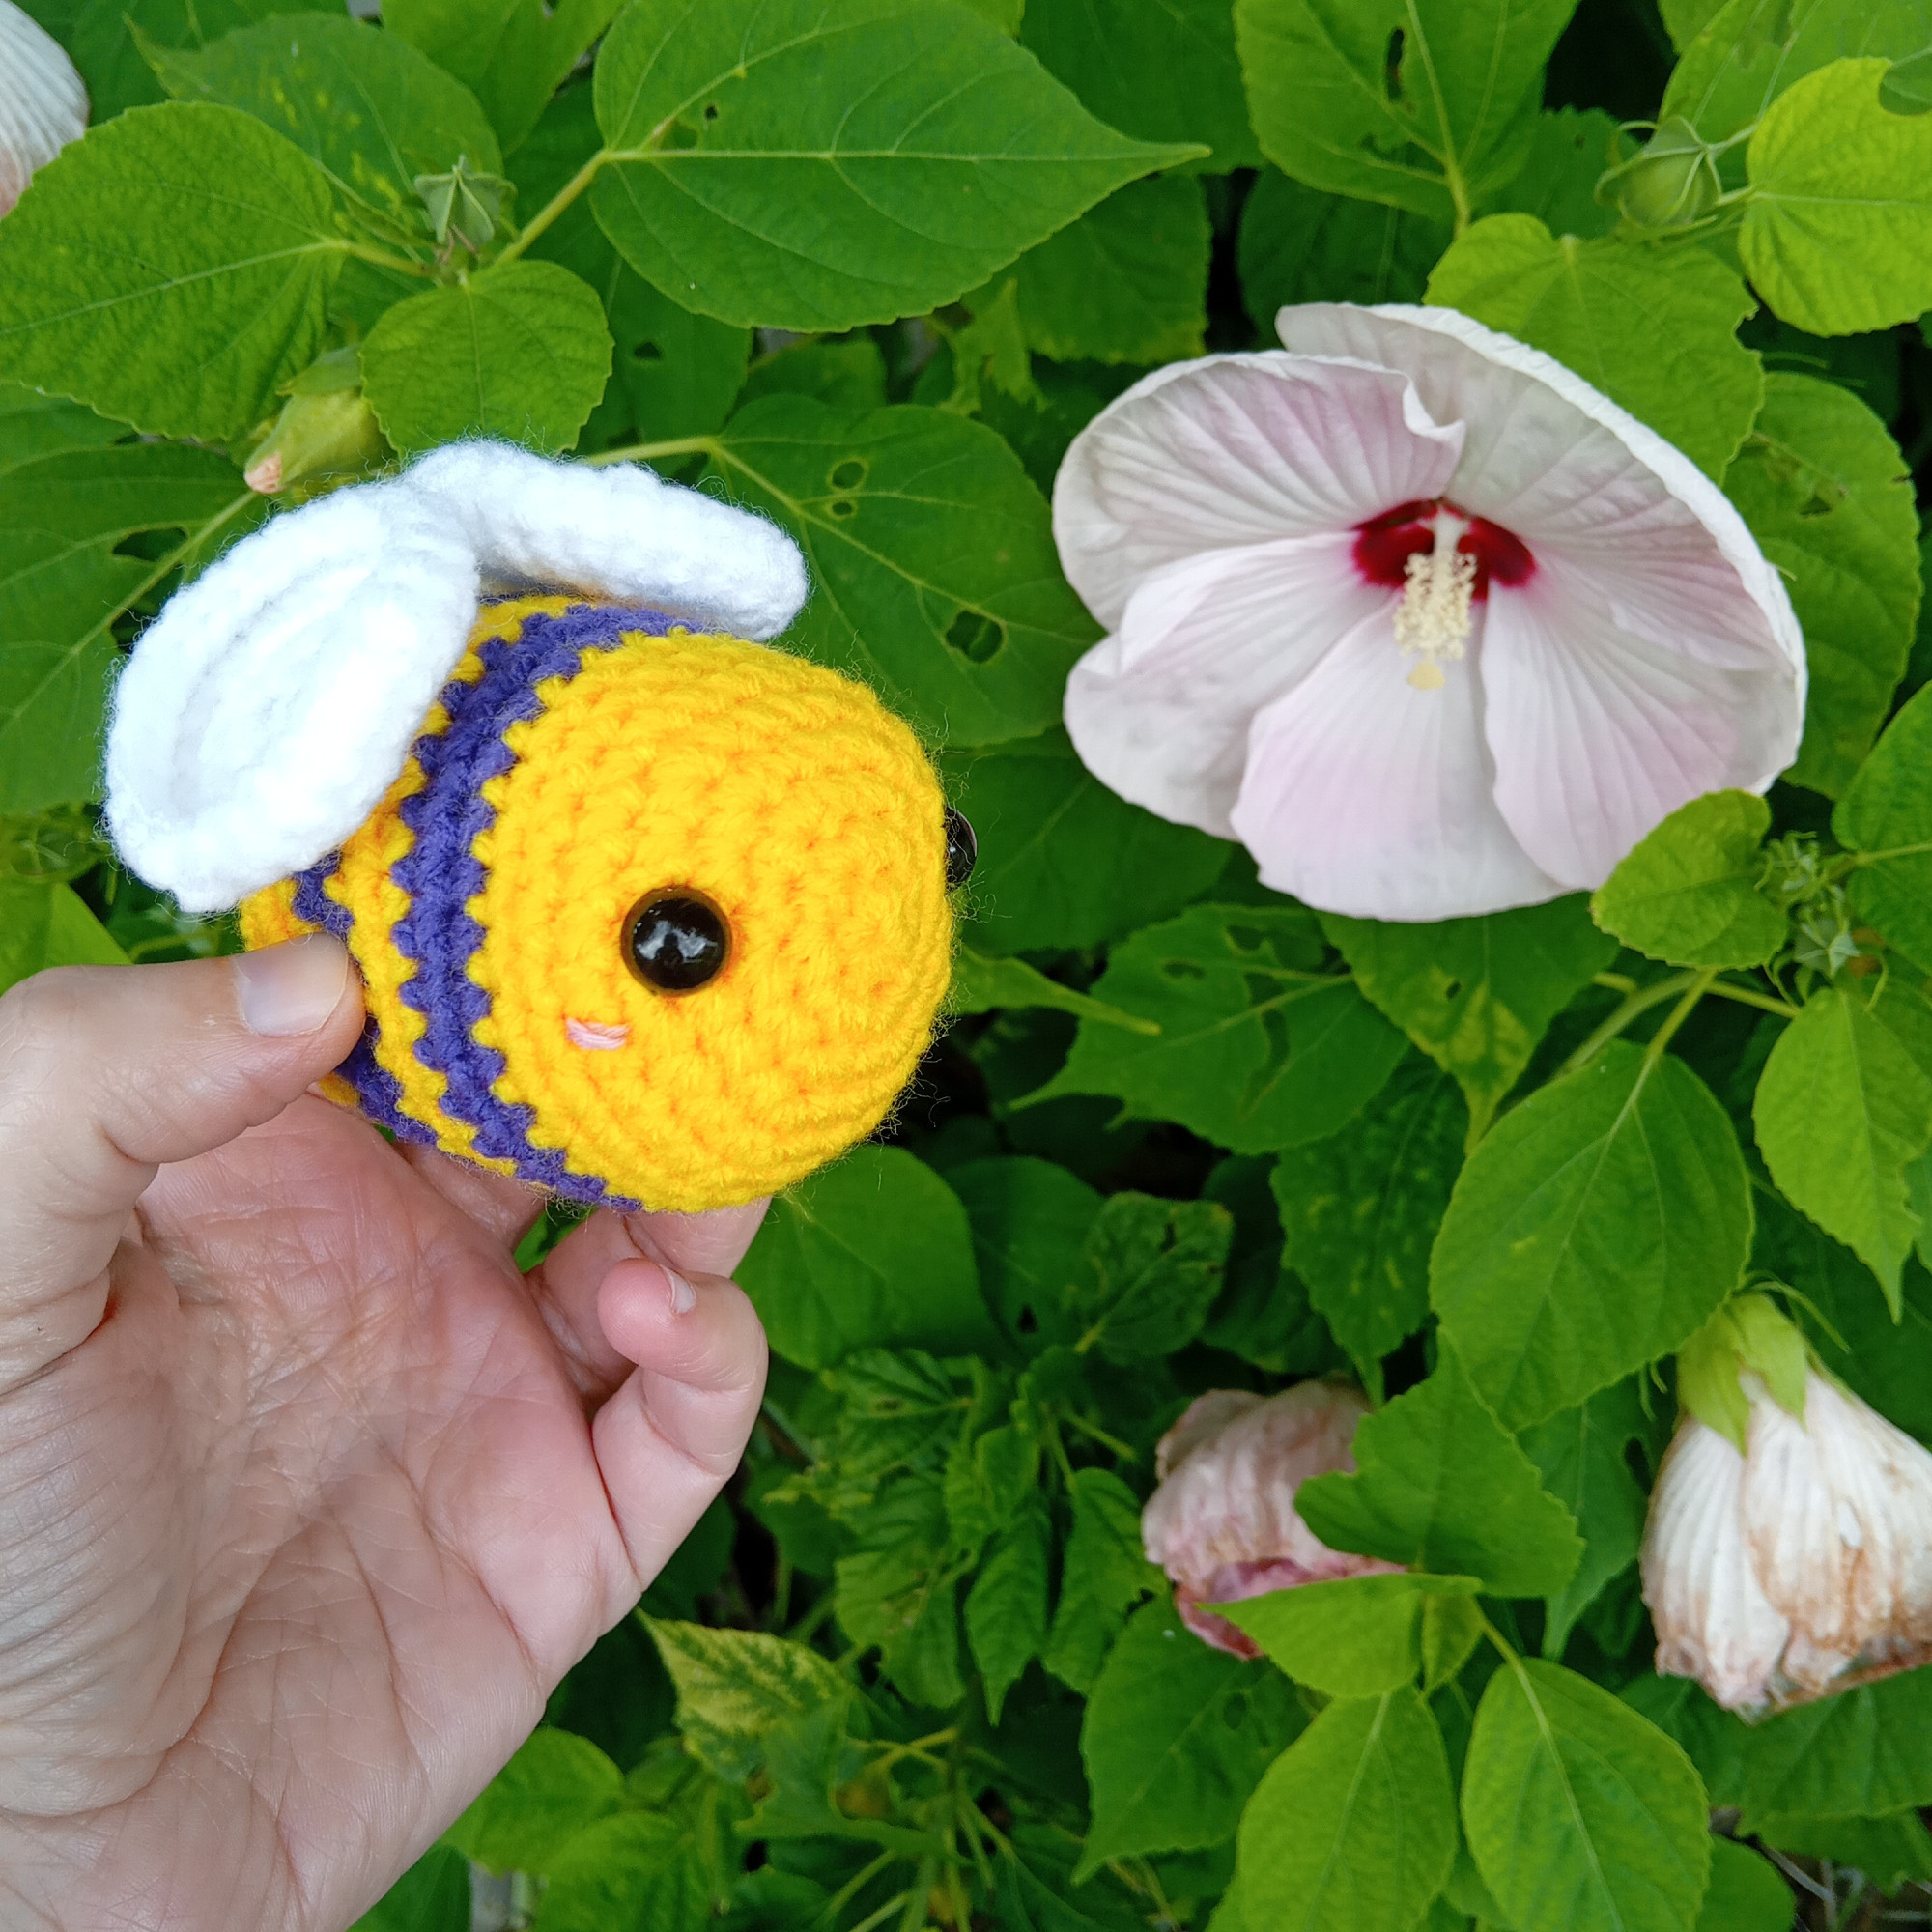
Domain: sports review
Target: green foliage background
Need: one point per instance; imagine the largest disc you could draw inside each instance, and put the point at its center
(868, 264)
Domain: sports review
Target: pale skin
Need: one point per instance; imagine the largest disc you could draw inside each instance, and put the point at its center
(309, 1499)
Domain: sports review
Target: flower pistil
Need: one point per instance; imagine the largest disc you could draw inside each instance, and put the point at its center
(1432, 620)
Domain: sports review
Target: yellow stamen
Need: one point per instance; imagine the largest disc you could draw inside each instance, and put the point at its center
(1433, 619)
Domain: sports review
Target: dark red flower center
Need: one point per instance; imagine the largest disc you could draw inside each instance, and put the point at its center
(1385, 545)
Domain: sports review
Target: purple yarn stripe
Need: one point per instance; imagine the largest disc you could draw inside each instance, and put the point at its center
(376, 1087)
(442, 875)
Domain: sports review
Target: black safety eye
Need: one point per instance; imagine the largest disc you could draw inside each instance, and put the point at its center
(676, 940)
(961, 849)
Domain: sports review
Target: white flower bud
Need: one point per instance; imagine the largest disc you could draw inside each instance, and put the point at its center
(43, 104)
(1802, 1562)
(1223, 1523)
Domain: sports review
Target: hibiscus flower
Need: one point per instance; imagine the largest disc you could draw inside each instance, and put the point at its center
(43, 104)
(1416, 614)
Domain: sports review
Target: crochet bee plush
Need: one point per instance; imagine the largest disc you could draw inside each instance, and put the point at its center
(647, 912)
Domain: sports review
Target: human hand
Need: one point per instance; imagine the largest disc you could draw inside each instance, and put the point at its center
(308, 1497)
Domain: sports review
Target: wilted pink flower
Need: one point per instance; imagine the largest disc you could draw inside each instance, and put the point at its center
(1223, 1523)
(1414, 613)
(43, 104)
(1802, 1564)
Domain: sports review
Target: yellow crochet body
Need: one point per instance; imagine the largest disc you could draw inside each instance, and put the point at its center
(581, 759)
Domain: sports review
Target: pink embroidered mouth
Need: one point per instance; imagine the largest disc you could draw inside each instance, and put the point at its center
(594, 1038)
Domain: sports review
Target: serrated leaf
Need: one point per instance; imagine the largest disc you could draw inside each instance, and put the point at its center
(170, 270)
(1427, 105)
(45, 922)
(1687, 891)
(1062, 861)
(1829, 497)
(1747, 1892)
(681, 372)
(875, 1250)
(971, 642)
(1579, 1455)
(821, 164)
(1568, 153)
(432, 1896)
(111, 59)
(1029, 1220)
(1886, 810)
(363, 105)
(1656, 333)
(1005, 1609)
(1840, 1111)
(1441, 1485)
(1299, 243)
(1476, 995)
(1582, 1817)
(639, 1869)
(1153, 1271)
(1253, 1052)
(33, 425)
(1159, 69)
(1354, 1637)
(1354, 1824)
(1359, 1212)
(558, 1785)
(981, 984)
(735, 1687)
(519, 350)
(1175, 1737)
(1596, 1227)
(1837, 234)
(899, 1592)
(1103, 1574)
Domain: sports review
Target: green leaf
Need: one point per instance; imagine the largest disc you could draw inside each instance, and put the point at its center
(432, 1896)
(1253, 1052)
(1062, 861)
(1747, 1893)
(1005, 1609)
(1888, 1850)
(1582, 1817)
(519, 350)
(1175, 1737)
(1299, 244)
(1839, 1113)
(511, 54)
(1748, 52)
(1126, 283)
(32, 425)
(1355, 1637)
(981, 984)
(1029, 1220)
(1656, 333)
(369, 109)
(1685, 20)
(1568, 155)
(1829, 497)
(735, 1688)
(1596, 1227)
(1476, 995)
(170, 270)
(682, 372)
(554, 1787)
(1837, 234)
(1104, 1573)
(875, 1250)
(1427, 105)
(972, 641)
(1886, 810)
(112, 60)
(1153, 1270)
(1687, 891)
(640, 1870)
(849, 375)
(1159, 69)
(1354, 1825)
(47, 923)
(1579, 1455)
(820, 164)
(64, 519)
(898, 1592)
(1866, 1753)
(1444, 1486)
(1359, 1212)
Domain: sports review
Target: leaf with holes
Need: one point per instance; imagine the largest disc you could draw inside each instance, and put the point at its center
(972, 640)
(1153, 1270)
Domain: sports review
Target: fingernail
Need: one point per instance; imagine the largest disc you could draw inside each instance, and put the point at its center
(683, 1296)
(292, 988)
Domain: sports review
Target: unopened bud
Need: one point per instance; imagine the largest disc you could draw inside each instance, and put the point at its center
(1223, 1523)
(462, 204)
(325, 429)
(1671, 184)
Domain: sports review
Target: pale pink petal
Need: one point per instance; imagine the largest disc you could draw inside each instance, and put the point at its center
(1160, 712)
(42, 103)
(1598, 733)
(1561, 467)
(1232, 450)
(1366, 796)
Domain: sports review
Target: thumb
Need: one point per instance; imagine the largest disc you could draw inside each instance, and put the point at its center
(108, 1071)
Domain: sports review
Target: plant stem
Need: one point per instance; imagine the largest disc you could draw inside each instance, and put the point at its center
(1679, 1013)
(555, 206)
(1746, 996)
(852, 1888)
(1634, 1005)
(650, 452)
(404, 265)
(1112, 1444)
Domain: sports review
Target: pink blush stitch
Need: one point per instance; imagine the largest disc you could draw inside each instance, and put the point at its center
(594, 1038)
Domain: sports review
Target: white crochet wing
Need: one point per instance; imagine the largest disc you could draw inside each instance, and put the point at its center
(268, 709)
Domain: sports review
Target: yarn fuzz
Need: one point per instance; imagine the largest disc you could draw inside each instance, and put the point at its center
(582, 757)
